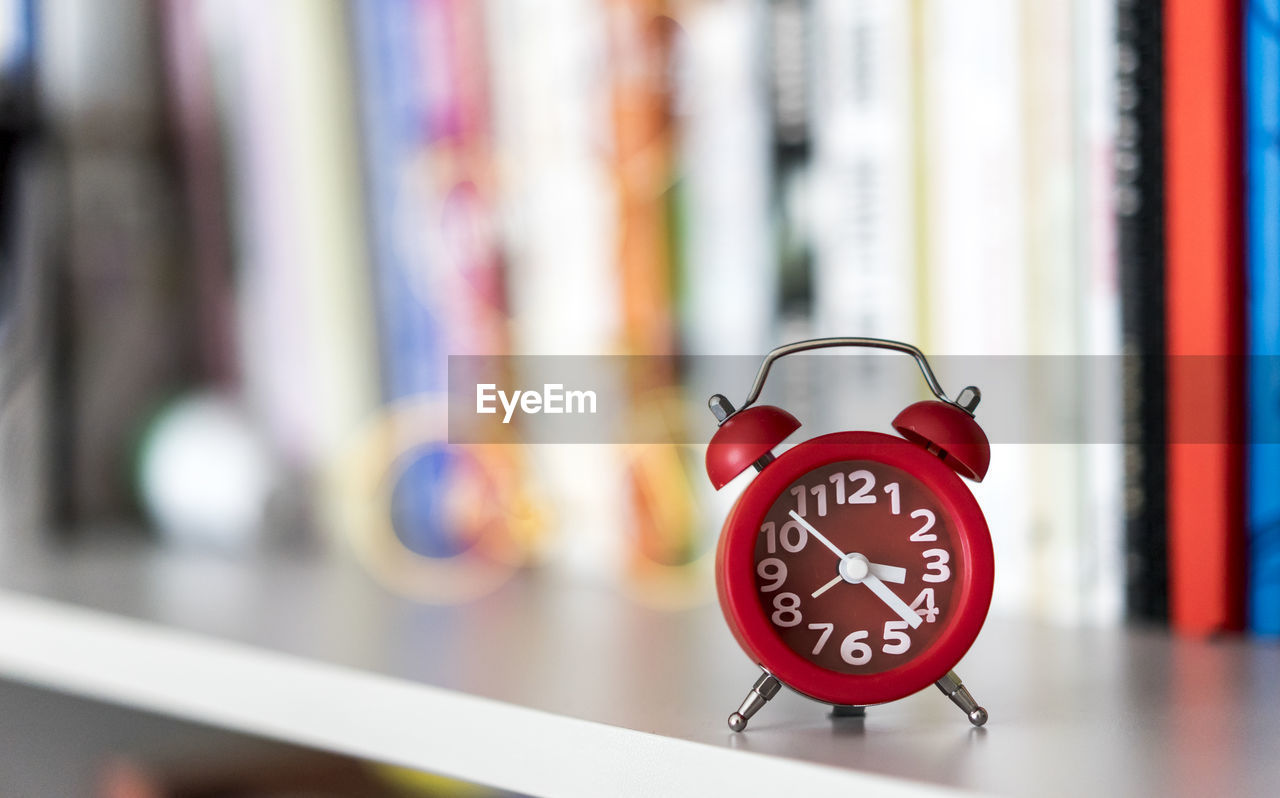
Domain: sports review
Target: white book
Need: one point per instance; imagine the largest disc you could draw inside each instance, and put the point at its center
(723, 151)
(306, 326)
(862, 169)
(728, 263)
(1102, 548)
(557, 216)
(1053, 300)
(975, 286)
(1075, 329)
(862, 201)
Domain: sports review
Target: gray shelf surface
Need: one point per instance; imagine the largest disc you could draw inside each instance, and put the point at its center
(1073, 711)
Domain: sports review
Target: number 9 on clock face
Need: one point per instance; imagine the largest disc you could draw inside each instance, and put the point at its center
(856, 566)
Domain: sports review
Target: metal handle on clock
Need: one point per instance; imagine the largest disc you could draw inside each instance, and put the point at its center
(966, 401)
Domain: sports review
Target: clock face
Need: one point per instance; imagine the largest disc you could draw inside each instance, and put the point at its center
(856, 566)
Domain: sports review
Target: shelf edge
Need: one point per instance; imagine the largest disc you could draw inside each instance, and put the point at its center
(257, 691)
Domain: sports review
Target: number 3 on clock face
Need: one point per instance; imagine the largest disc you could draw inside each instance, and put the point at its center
(855, 567)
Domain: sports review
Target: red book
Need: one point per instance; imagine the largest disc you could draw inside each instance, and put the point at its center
(1204, 299)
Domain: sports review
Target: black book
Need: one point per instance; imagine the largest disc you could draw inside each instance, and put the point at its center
(1139, 204)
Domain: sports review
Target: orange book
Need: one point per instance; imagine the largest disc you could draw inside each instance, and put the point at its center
(641, 42)
(1204, 313)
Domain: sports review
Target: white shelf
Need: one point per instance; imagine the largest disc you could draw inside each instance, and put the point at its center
(552, 689)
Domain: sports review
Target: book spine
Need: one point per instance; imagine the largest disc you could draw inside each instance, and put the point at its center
(640, 42)
(1204, 329)
(305, 318)
(17, 56)
(556, 216)
(864, 280)
(1262, 144)
(1101, 532)
(976, 249)
(195, 122)
(861, 171)
(30, 324)
(29, 197)
(1140, 249)
(125, 348)
(728, 296)
(651, 203)
(395, 114)
(1053, 299)
(791, 36)
(729, 291)
(461, 267)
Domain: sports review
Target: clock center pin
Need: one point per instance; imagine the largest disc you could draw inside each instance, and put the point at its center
(854, 568)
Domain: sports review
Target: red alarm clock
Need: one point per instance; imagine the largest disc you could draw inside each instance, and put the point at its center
(856, 568)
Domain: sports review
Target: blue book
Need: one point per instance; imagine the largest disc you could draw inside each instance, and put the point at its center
(16, 38)
(1262, 144)
(396, 118)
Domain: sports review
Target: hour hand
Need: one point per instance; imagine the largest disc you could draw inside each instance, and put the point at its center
(888, 573)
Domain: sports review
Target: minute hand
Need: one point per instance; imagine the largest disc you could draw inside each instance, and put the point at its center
(889, 597)
(822, 538)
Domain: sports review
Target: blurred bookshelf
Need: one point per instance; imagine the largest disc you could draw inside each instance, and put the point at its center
(241, 241)
(258, 234)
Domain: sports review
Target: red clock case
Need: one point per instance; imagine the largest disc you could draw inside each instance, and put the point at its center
(735, 572)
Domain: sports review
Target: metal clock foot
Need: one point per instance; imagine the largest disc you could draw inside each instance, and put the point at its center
(953, 688)
(765, 688)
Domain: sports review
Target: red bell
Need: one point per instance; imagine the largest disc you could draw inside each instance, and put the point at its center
(744, 438)
(950, 433)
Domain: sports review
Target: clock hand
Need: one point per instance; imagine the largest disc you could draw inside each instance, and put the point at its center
(889, 597)
(889, 573)
(817, 535)
(827, 586)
